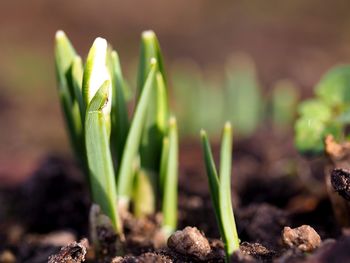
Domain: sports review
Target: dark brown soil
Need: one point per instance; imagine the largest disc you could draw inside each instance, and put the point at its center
(268, 196)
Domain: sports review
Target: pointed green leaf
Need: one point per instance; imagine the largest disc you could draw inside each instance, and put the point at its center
(99, 157)
(125, 177)
(213, 178)
(230, 235)
(149, 49)
(169, 204)
(119, 114)
(65, 57)
(157, 115)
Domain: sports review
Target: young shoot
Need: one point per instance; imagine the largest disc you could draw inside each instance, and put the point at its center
(220, 189)
(169, 178)
(102, 176)
(125, 177)
(122, 158)
(69, 77)
(156, 119)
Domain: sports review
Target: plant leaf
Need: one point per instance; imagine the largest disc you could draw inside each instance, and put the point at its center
(119, 114)
(315, 109)
(149, 49)
(229, 234)
(309, 135)
(65, 57)
(169, 190)
(213, 178)
(125, 177)
(334, 87)
(99, 157)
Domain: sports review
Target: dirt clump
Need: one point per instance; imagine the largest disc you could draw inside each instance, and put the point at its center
(72, 253)
(190, 241)
(304, 238)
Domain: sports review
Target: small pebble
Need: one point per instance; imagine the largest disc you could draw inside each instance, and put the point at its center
(7, 257)
(190, 241)
(304, 238)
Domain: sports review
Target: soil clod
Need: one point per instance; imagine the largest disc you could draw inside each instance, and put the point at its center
(72, 253)
(190, 241)
(340, 179)
(304, 238)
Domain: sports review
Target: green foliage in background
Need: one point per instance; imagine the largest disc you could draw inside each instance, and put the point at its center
(206, 98)
(327, 113)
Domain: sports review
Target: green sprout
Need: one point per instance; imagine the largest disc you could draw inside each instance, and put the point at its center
(169, 177)
(122, 158)
(220, 189)
(69, 76)
(326, 114)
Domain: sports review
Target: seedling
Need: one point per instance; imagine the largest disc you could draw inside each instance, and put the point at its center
(328, 113)
(122, 158)
(220, 189)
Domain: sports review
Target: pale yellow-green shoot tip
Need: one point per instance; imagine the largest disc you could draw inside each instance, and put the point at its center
(153, 61)
(172, 121)
(227, 126)
(148, 34)
(60, 34)
(203, 133)
(100, 43)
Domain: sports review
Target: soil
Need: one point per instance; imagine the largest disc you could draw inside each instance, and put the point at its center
(282, 212)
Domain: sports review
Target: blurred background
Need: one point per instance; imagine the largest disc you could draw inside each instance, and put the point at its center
(245, 61)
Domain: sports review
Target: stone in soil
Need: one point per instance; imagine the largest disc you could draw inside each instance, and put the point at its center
(304, 238)
(191, 242)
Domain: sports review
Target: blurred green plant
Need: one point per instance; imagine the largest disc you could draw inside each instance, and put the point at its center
(220, 189)
(328, 113)
(120, 155)
(235, 96)
(283, 104)
(243, 96)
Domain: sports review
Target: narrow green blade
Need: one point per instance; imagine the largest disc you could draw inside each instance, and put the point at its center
(230, 236)
(99, 157)
(77, 82)
(125, 177)
(212, 176)
(169, 204)
(162, 104)
(157, 115)
(143, 197)
(65, 56)
(149, 49)
(119, 114)
(164, 163)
